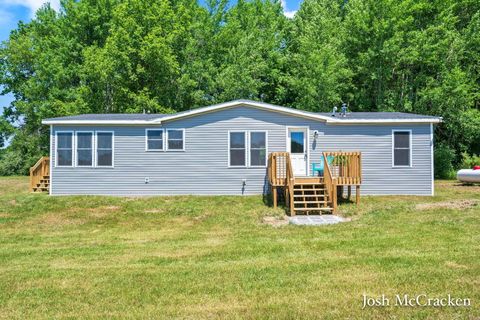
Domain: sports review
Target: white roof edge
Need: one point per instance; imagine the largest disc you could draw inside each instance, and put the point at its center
(373, 121)
(242, 102)
(84, 122)
(234, 103)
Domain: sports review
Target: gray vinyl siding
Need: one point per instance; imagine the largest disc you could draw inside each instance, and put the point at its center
(203, 167)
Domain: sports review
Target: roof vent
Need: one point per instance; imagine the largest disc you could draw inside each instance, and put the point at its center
(344, 110)
(334, 111)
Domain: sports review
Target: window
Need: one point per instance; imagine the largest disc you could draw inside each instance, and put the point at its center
(297, 142)
(154, 139)
(237, 149)
(65, 149)
(104, 149)
(258, 149)
(84, 147)
(175, 139)
(402, 153)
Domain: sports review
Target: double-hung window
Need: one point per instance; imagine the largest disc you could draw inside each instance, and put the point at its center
(84, 148)
(237, 149)
(258, 148)
(104, 146)
(402, 148)
(154, 139)
(175, 139)
(64, 149)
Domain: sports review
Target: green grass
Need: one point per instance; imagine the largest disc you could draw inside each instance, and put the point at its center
(212, 257)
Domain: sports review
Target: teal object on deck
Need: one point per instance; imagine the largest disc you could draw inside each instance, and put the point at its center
(319, 166)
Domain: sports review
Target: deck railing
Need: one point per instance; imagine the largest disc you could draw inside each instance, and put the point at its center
(345, 167)
(280, 174)
(277, 168)
(38, 171)
(340, 169)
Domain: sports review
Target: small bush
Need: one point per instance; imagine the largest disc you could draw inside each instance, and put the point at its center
(444, 157)
(468, 161)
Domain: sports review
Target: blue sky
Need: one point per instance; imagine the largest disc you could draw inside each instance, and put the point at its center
(13, 11)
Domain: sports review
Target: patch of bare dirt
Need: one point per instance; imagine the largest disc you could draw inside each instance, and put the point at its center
(457, 186)
(154, 211)
(275, 221)
(103, 211)
(454, 265)
(13, 202)
(454, 204)
(55, 219)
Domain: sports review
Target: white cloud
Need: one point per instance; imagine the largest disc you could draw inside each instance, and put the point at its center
(6, 17)
(286, 12)
(33, 5)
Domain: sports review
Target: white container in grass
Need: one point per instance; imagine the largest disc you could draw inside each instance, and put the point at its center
(469, 175)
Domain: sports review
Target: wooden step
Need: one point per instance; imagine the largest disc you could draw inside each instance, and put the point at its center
(309, 180)
(309, 184)
(40, 189)
(302, 202)
(314, 209)
(304, 194)
(309, 196)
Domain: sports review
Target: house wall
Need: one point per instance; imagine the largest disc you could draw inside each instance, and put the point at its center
(203, 167)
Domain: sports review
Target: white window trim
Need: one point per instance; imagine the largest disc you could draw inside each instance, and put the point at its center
(246, 146)
(432, 174)
(76, 150)
(410, 165)
(183, 140)
(56, 149)
(163, 140)
(250, 148)
(51, 162)
(96, 149)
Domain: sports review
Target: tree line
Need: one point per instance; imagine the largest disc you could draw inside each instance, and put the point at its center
(162, 56)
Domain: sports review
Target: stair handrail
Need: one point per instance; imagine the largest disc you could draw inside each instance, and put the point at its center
(40, 169)
(329, 181)
(290, 181)
(271, 159)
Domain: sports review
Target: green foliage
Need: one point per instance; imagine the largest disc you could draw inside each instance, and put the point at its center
(99, 56)
(444, 157)
(470, 160)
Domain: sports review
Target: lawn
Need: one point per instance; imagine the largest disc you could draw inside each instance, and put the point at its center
(212, 257)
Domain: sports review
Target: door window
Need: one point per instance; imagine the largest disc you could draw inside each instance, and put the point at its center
(297, 142)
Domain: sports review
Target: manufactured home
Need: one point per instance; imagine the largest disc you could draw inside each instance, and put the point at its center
(240, 147)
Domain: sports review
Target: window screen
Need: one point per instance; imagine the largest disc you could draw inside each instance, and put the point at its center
(401, 148)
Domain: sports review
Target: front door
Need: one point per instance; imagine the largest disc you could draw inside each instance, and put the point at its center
(298, 148)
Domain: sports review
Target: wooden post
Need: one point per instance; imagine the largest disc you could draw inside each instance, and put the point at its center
(335, 191)
(274, 191)
(291, 201)
(31, 180)
(349, 192)
(357, 196)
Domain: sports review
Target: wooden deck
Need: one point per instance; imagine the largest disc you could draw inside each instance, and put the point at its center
(315, 194)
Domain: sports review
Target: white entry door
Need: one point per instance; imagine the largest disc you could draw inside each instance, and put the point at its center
(298, 148)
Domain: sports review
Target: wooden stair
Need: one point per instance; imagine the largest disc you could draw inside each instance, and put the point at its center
(43, 185)
(315, 193)
(40, 175)
(310, 197)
